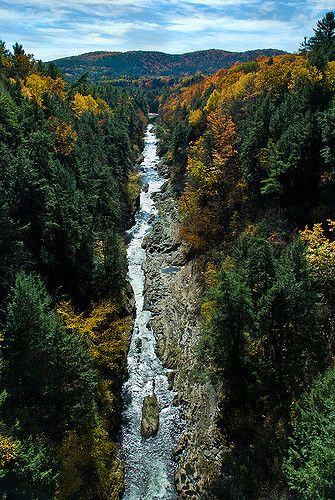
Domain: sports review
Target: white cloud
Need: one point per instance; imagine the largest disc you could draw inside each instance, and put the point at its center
(58, 9)
(216, 3)
(321, 6)
(225, 24)
(56, 28)
(78, 3)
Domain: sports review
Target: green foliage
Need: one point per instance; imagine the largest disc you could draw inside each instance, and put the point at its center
(271, 161)
(66, 160)
(230, 306)
(261, 319)
(261, 339)
(8, 117)
(34, 473)
(49, 374)
(256, 168)
(320, 48)
(310, 463)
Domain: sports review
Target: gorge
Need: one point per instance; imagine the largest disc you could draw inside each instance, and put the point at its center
(149, 467)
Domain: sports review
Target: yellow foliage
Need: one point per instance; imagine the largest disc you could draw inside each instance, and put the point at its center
(211, 275)
(107, 334)
(321, 252)
(250, 230)
(65, 137)
(7, 450)
(234, 90)
(330, 75)
(93, 452)
(199, 167)
(285, 72)
(212, 102)
(35, 86)
(83, 103)
(133, 187)
(207, 309)
(86, 324)
(195, 117)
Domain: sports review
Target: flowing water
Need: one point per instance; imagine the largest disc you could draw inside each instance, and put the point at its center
(149, 466)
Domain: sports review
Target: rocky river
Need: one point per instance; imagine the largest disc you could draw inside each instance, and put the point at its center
(183, 459)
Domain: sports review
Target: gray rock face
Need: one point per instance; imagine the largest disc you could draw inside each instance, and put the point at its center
(150, 416)
(174, 300)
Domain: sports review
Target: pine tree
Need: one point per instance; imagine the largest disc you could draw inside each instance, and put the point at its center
(320, 48)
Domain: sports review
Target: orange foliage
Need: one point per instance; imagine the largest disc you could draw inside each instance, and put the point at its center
(216, 196)
(285, 72)
(214, 187)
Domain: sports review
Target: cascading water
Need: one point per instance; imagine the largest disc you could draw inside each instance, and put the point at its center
(149, 465)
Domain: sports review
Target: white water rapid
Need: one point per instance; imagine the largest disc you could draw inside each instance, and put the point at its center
(149, 464)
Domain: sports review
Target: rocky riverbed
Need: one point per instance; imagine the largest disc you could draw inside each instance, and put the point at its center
(172, 294)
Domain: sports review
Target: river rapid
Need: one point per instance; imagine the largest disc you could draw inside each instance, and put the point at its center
(149, 464)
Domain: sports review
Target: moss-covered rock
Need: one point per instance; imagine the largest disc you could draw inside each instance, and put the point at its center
(150, 416)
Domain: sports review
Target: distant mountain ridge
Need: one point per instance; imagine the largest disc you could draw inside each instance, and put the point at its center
(136, 64)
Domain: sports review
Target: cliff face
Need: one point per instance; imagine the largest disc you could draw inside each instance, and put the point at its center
(173, 294)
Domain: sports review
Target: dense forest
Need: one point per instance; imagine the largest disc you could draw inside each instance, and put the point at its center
(139, 64)
(251, 153)
(67, 193)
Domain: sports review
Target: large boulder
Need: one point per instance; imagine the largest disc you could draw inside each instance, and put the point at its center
(150, 416)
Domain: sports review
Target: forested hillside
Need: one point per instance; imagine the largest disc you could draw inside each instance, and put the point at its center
(67, 191)
(137, 64)
(251, 153)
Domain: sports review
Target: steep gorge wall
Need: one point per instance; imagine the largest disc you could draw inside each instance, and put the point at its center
(173, 294)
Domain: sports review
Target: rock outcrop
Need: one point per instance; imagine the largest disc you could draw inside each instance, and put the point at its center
(174, 299)
(150, 416)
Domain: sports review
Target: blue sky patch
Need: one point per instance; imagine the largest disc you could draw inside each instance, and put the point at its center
(56, 28)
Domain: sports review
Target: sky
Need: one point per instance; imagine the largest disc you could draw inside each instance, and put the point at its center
(51, 29)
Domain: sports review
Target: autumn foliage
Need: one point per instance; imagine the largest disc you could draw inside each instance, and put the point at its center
(67, 192)
(251, 156)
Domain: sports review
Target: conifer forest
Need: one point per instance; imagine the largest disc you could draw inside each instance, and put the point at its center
(167, 276)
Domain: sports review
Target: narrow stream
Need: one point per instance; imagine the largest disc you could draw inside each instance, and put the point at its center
(149, 466)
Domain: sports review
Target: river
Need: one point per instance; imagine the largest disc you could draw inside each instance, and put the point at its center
(149, 464)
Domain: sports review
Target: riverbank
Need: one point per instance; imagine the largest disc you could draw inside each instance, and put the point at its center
(173, 293)
(147, 455)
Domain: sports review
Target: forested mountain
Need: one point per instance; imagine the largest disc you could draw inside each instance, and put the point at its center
(136, 64)
(251, 153)
(66, 195)
(250, 156)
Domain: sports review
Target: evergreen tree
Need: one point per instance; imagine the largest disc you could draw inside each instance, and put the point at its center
(310, 462)
(320, 48)
(50, 378)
